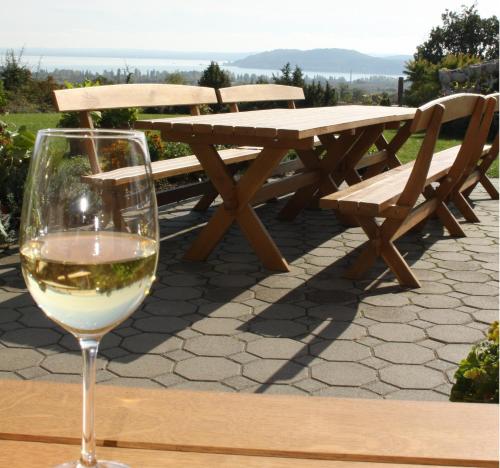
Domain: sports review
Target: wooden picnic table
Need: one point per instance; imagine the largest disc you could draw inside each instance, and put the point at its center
(345, 134)
(40, 426)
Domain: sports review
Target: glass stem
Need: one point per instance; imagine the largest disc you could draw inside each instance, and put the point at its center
(89, 353)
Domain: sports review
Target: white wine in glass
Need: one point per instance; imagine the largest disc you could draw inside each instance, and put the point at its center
(89, 248)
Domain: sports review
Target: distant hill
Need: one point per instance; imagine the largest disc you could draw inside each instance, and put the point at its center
(325, 60)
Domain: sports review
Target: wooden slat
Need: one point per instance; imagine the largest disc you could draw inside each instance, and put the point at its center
(372, 196)
(456, 106)
(259, 92)
(15, 454)
(370, 159)
(287, 185)
(289, 124)
(264, 425)
(132, 95)
(169, 167)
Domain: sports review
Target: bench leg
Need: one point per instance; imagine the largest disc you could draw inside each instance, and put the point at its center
(489, 187)
(366, 259)
(464, 207)
(206, 200)
(449, 221)
(398, 265)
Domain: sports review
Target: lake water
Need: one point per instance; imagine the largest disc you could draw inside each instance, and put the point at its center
(100, 64)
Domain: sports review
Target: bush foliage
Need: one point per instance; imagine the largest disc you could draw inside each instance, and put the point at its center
(477, 375)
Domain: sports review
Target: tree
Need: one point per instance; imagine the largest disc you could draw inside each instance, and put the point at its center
(463, 39)
(214, 77)
(13, 73)
(462, 32)
(289, 77)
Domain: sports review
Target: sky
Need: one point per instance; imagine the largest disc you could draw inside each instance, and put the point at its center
(380, 27)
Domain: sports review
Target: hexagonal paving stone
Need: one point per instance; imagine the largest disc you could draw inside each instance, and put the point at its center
(278, 328)
(234, 280)
(14, 359)
(207, 368)
(68, 363)
(30, 337)
(138, 365)
(274, 371)
(454, 352)
(419, 395)
(282, 281)
(389, 314)
(477, 289)
(386, 300)
(435, 301)
(228, 294)
(177, 293)
(161, 324)
(229, 310)
(34, 317)
(214, 345)
(404, 353)
(277, 348)
(455, 334)
(331, 297)
(279, 311)
(218, 326)
(9, 315)
(481, 302)
(343, 373)
(332, 330)
(411, 376)
(396, 332)
(444, 316)
(170, 308)
(151, 343)
(334, 312)
(341, 350)
(275, 295)
(467, 276)
(183, 280)
(486, 316)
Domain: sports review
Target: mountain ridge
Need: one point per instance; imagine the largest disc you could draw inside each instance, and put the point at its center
(325, 60)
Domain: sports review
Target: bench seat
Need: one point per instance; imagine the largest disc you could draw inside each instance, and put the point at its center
(373, 196)
(170, 167)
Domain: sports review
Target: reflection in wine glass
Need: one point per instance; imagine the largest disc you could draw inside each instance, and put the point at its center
(89, 248)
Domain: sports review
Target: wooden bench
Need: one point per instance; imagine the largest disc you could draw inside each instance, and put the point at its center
(475, 174)
(393, 195)
(86, 100)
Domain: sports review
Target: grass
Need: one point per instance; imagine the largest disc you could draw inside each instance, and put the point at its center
(35, 122)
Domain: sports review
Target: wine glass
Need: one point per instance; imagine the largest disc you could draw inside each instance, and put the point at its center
(89, 241)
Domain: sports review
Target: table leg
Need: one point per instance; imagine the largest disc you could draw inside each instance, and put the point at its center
(236, 196)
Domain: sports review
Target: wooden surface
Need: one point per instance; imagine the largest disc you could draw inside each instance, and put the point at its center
(170, 167)
(259, 92)
(290, 124)
(131, 95)
(246, 425)
(15, 454)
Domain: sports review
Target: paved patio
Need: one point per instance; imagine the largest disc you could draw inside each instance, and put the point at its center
(229, 325)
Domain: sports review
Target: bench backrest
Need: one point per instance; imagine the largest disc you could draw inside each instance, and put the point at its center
(259, 93)
(429, 117)
(85, 100)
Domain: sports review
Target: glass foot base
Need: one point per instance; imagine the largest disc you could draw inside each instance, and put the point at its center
(100, 464)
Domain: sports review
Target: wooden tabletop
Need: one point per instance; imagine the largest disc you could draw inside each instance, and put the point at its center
(282, 123)
(153, 428)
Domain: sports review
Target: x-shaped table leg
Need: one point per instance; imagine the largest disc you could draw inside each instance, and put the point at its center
(236, 196)
(338, 165)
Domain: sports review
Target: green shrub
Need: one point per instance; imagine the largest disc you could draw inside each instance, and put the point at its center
(16, 147)
(3, 98)
(477, 375)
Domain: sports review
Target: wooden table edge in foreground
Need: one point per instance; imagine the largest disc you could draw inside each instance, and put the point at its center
(225, 429)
